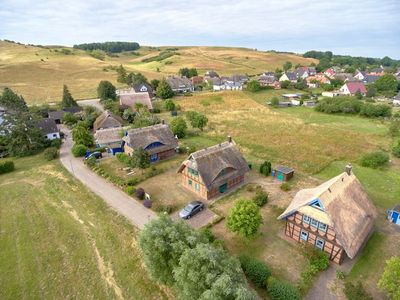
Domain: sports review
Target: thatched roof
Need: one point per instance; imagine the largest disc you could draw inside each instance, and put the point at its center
(346, 208)
(133, 98)
(107, 120)
(143, 137)
(210, 162)
(109, 135)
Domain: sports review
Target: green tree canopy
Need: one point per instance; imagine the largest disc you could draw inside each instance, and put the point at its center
(81, 135)
(136, 78)
(188, 72)
(106, 90)
(169, 105)
(390, 279)
(253, 86)
(67, 99)
(179, 127)
(164, 91)
(154, 83)
(287, 66)
(244, 218)
(11, 101)
(197, 120)
(121, 74)
(206, 272)
(140, 159)
(387, 85)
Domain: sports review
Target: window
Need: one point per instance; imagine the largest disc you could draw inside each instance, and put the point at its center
(314, 223)
(190, 182)
(319, 243)
(317, 204)
(193, 172)
(306, 219)
(304, 235)
(197, 186)
(323, 227)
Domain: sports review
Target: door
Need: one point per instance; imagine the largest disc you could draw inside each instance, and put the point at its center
(223, 188)
(280, 176)
(153, 157)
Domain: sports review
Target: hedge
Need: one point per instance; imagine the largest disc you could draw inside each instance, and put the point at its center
(257, 271)
(282, 290)
(50, 153)
(6, 167)
(375, 159)
(78, 150)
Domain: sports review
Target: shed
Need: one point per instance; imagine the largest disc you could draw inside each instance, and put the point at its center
(394, 215)
(282, 173)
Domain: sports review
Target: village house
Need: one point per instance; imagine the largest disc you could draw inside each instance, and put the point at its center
(157, 140)
(294, 99)
(215, 170)
(227, 83)
(210, 75)
(49, 128)
(394, 215)
(336, 217)
(330, 94)
(360, 75)
(269, 79)
(180, 84)
(289, 76)
(316, 80)
(110, 138)
(304, 72)
(370, 78)
(345, 77)
(131, 99)
(351, 88)
(58, 115)
(330, 73)
(377, 71)
(197, 80)
(107, 120)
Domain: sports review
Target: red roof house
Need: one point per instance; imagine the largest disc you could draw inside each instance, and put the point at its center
(352, 87)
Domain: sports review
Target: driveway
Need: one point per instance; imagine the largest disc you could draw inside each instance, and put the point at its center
(91, 102)
(201, 219)
(134, 211)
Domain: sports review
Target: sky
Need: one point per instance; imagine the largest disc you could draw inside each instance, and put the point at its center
(355, 27)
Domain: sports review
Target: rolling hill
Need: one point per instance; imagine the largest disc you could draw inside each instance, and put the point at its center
(38, 73)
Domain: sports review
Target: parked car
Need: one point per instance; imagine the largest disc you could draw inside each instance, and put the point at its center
(191, 209)
(95, 154)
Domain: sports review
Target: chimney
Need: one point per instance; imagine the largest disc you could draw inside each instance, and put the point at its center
(229, 139)
(348, 169)
(163, 121)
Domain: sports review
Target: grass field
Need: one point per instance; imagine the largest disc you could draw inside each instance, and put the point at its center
(59, 241)
(39, 73)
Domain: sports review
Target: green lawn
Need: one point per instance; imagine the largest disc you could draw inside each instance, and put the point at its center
(60, 241)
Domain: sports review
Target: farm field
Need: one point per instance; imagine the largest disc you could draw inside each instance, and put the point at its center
(39, 73)
(60, 241)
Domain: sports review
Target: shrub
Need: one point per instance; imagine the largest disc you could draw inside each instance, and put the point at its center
(261, 197)
(163, 208)
(133, 181)
(169, 105)
(123, 158)
(375, 159)
(139, 193)
(394, 128)
(50, 153)
(282, 290)
(285, 187)
(375, 110)
(130, 190)
(265, 168)
(256, 270)
(396, 150)
(6, 167)
(56, 143)
(207, 233)
(78, 150)
(179, 127)
(356, 291)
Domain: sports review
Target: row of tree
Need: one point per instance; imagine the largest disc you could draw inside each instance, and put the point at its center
(111, 47)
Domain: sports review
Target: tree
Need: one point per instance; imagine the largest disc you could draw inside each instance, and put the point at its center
(129, 115)
(275, 101)
(244, 218)
(169, 105)
(144, 118)
(164, 91)
(136, 78)
(154, 83)
(253, 86)
(121, 73)
(287, 66)
(69, 119)
(199, 121)
(265, 168)
(179, 127)
(106, 90)
(67, 99)
(371, 91)
(387, 85)
(285, 84)
(390, 279)
(163, 242)
(78, 150)
(12, 101)
(140, 158)
(206, 272)
(81, 135)
(188, 72)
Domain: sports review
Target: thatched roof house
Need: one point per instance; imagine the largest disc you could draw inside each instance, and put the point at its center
(214, 170)
(158, 140)
(337, 216)
(132, 99)
(110, 138)
(107, 120)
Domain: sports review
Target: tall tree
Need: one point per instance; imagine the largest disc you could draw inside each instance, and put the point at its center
(136, 78)
(245, 218)
(106, 90)
(67, 100)
(154, 83)
(11, 101)
(287, 66)
(179, 127)
(387, 85)
(81, 135)
(164, 91)
(121, 74)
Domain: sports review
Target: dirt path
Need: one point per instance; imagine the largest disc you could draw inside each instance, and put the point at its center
(136, 213)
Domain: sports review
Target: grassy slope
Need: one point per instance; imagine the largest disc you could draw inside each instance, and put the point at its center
(38, 74)
(60, 241)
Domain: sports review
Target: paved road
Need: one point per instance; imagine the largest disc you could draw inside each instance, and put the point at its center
(91, 102)
(112, 195)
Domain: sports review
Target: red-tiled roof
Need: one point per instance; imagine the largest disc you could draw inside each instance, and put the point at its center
(355, 86)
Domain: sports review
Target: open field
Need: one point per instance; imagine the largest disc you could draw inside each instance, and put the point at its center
(59, 241)
(39, 73)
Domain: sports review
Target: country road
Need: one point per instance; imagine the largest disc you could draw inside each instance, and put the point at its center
(134, 211)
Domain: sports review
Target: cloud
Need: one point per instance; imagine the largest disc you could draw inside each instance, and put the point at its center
(356, 27)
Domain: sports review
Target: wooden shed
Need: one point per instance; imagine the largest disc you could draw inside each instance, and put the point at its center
(282, 173)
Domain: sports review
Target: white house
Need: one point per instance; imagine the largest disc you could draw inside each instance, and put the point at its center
(49, 129)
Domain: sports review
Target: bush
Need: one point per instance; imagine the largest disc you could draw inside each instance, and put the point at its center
(123, 158)
(375, 110)
(375, 160)
(91, 162)
(169, 105)
(6, 167)
(179, 127)
(207, 233)
(133, 181)
(265, 168)
(163, 208)
(342, 104)
(140, 193)
(282, 290)
(78, 150)
(261, 197)
(130, 190)
(56, 143)
(256, 270)
(396, 150)
(285, 187)
(355, 291)
(50, 153)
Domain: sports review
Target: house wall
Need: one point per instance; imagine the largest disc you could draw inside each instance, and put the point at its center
(294, 226)
(160, 155)
(52, 136)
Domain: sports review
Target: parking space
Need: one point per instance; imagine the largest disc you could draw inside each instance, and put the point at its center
(201, 219)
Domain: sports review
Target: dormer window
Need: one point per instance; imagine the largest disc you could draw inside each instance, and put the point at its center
(317, 204)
